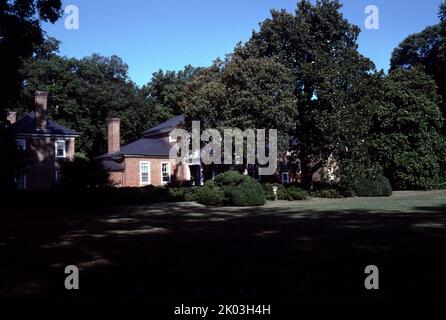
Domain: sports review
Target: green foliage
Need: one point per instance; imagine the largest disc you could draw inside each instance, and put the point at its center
(183, 194)
(333, 190)
(406, 137)
(243, 93)
(269, 193)
(82, 173)
(231, 188)
(248, 193)
(374, 187)
(230, 178)
(330, 78)
(291, 193)
(210, 194)
(295, 193)
(83, 93)
(20, 33)
(165, 92)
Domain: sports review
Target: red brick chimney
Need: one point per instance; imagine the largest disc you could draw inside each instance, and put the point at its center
(11, 117)
(114, 140)
(41, 103)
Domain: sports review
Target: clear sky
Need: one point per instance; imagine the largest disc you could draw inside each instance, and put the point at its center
(168, 34)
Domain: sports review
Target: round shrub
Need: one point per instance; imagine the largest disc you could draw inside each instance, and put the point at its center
(210, 194)
(248, 193)
(374, 187)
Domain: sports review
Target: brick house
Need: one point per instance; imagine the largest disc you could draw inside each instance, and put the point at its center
(46, 143)
(144, 161)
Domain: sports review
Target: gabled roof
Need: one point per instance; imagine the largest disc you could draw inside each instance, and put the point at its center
(27, 125)
(165, 126)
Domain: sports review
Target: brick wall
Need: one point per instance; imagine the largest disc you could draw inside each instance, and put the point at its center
(132, 171)
(42, 167)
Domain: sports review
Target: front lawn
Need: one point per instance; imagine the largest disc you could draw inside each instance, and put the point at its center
(309, 250)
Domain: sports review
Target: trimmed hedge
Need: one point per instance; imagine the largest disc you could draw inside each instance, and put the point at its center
(374, 187)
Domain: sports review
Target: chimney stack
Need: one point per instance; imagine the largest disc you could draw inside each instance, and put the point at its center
(11, 117)
(114, 140)
(41, 103)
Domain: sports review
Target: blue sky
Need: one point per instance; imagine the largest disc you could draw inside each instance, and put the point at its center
(168, 34)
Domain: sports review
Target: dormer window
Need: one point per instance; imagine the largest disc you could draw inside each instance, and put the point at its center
(60, 147)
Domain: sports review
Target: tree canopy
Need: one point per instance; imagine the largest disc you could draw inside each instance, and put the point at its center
(320, 47)
(405, 136)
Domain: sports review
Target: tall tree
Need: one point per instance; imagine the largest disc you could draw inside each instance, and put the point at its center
(165, 91)
(405, 136)
(253, 93)
(320, 47)
(20, 32)
(428, 49)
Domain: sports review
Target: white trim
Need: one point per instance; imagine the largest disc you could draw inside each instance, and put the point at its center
(287, 177)
(46, 135)
(169, 172)
(64, 149)
(141, 183)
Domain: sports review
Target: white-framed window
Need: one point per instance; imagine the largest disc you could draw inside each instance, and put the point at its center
(60, 149)
(144, 173)
(21, 182)
(165, 172)
(58, 177)
(285, 177)
(21, 143)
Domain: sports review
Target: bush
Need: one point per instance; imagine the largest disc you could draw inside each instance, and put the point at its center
(248, 193)
(374, 187)
(182, 194)
(330, 193)
(290, 193)
(229, 178)
(210, 194)
(231, 188)
(82, 173)
(269, 193)
(295, 193)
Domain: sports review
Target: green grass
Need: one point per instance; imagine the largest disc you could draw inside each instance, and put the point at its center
(297, 251)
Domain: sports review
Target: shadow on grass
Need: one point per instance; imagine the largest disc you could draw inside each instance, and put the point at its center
(188, 252)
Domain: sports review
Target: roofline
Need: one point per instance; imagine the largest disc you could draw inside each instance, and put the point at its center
(48, 135)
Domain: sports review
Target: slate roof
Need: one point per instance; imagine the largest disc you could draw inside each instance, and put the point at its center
(144, 147)
(27, 125)
(164, 127)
